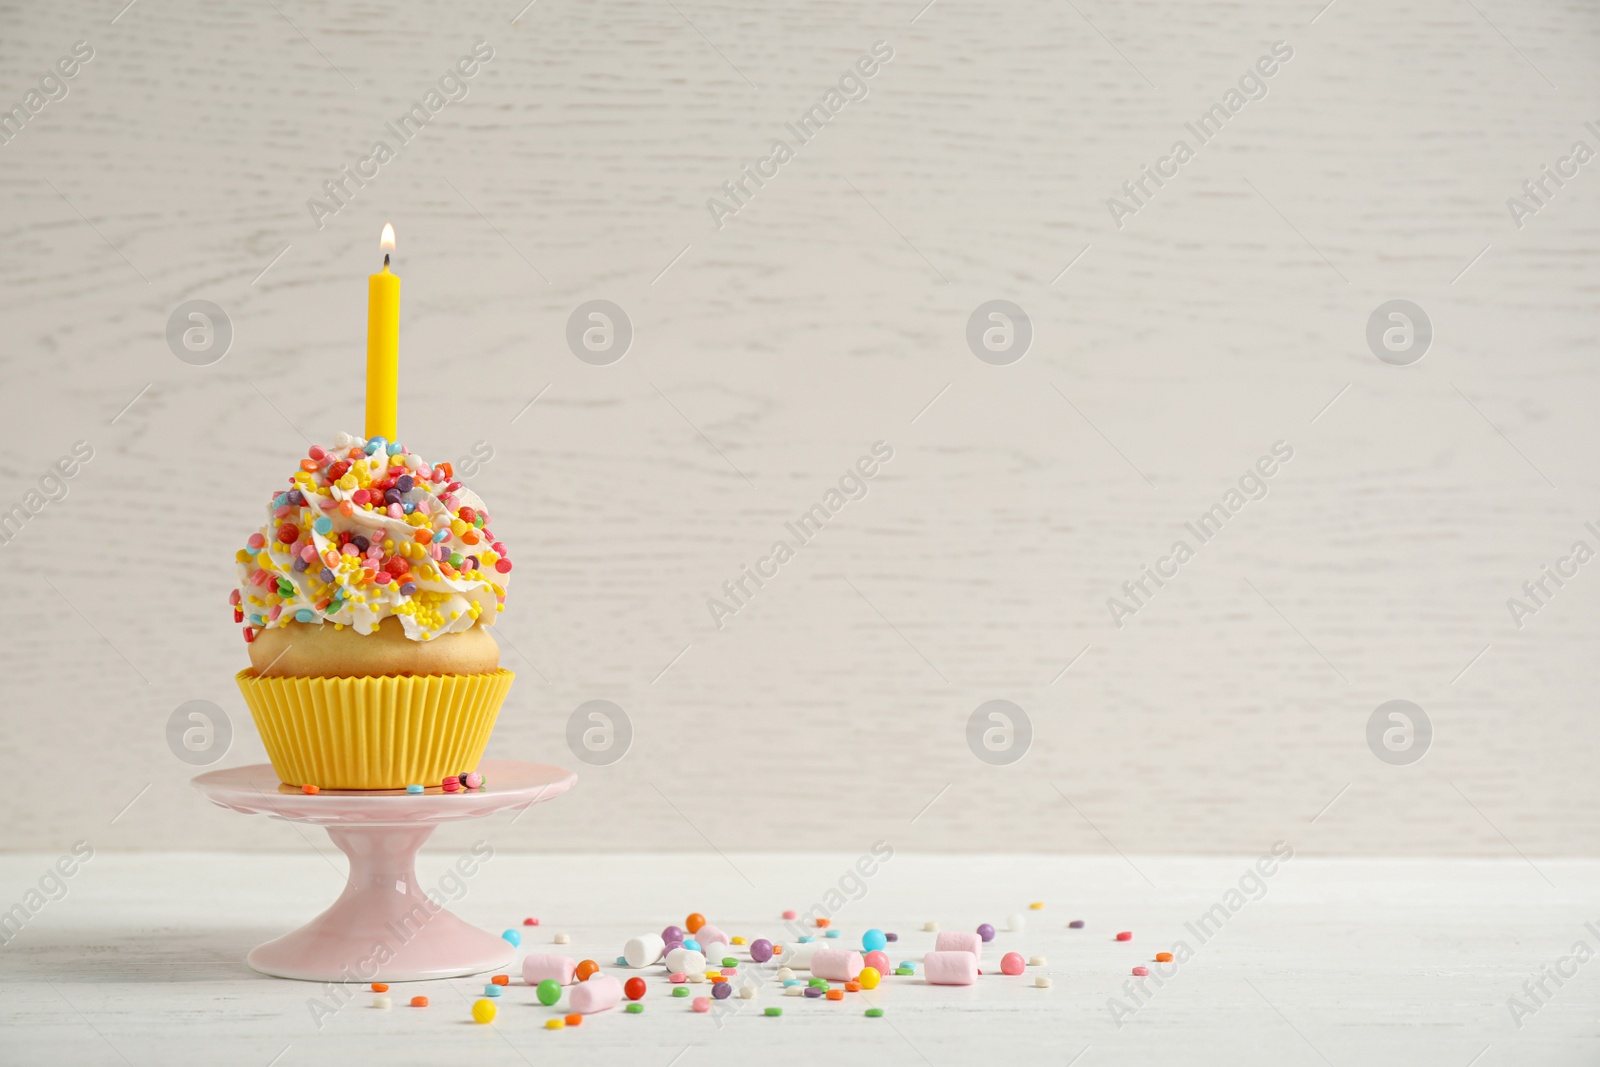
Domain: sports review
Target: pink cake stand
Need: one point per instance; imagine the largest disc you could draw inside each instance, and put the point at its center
(383, 927)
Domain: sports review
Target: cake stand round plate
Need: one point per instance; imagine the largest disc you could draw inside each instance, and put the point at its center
(383, 927)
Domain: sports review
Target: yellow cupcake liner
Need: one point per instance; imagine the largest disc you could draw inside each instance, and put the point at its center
(383, 732)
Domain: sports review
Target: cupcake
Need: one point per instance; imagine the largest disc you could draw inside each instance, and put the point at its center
(366, 599)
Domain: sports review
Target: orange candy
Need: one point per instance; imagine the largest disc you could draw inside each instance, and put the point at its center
(823, 923)
(694, 922)
(501, 979)
(419, 1002)
(852, 987)
(585, 969)
(380, 987)
(835, 994)
(309, 790)
(574, 1020)
(1163, 957)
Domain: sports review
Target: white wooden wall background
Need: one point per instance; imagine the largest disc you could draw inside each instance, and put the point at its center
(771, 354)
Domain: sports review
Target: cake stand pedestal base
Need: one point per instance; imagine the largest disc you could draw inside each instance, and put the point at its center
(383, 927)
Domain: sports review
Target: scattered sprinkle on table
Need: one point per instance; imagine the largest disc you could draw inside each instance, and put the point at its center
(874, 1013)
(1163, 957)
(419, 1002)
(381, 1001)
(380, 987)
(1075, 924)
(554, 1024)
(563, 939)
(413, 788)
(1126, 935)
(634, 1009)
(773, 1013)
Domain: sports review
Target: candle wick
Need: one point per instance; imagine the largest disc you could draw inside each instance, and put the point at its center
(386, 259)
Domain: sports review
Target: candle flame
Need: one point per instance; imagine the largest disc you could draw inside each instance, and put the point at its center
(387, 243)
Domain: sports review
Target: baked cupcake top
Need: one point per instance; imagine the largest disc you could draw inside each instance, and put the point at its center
(367, 530)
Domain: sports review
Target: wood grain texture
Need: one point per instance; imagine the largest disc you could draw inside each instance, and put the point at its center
(1372, 961)
(771, 353)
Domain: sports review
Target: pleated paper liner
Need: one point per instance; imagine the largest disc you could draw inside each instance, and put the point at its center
(383, 732)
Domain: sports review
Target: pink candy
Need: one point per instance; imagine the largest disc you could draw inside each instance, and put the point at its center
(839, 965)
(599, 992)
(951, 967)
(790, 914)
(878, 960)
(1141, 972)
(536, 969)
(1012, 963)
(959, 941)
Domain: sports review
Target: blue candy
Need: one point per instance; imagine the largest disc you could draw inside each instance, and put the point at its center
(413, 789)
(374, 444)
(394, 448)
(303, 615)
(873, 940)
(512, 936)
(440, 535)
(491, 990)
(691, 943)
(804, 938)
(323, 525)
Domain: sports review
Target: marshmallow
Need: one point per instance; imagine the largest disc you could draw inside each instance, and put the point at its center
(839, 965)
(957, 941)
(600, 992)
(536, 969)
(716, 951)
(685, 961)
(708, 935)
(957, 967)
(644, 950)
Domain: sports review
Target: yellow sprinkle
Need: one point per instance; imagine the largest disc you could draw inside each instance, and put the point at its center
(1037, 905)
(554, 1024)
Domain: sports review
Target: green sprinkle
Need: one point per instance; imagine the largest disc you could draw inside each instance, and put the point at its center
(904, 970)
(729, 961)
(455, 559)
(818, 983)
(773, 1013)
(681, 991)
(874, 1013)
(634, 1009)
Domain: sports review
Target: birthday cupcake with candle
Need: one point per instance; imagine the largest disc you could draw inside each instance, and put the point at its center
(366, 598)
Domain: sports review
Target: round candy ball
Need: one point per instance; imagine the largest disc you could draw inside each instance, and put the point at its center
(548, 991)
(512, 936)
(634, 988)
(585, 969)
(986, 932)
(671, 934)
(472, 780)
(869, 977)
(1011, 963)
(721, 990)
(761, 950)
(694, 922)
(878, 959)
(483, 1011)
(873, 940)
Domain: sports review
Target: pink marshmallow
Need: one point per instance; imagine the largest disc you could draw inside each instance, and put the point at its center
(957, 967)
(709, 934)
(956, 941)
(536, 969)
(836, 964)
(600, 992)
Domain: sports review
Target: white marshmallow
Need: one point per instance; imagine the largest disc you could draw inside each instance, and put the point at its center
(643, 950)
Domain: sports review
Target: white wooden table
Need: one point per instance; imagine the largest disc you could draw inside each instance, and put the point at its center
(1340, 961)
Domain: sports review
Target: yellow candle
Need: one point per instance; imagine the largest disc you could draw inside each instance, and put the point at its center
(383, 346)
